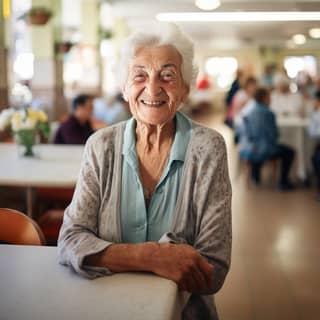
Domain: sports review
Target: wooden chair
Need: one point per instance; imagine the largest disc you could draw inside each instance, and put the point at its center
(17, 228)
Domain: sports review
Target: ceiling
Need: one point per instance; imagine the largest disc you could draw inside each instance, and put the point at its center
(225, 35)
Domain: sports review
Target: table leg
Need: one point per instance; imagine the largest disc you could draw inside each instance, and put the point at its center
(29, 194)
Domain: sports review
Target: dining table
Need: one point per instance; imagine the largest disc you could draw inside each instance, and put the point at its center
(53, 165)
(293, 132)
(34, 286)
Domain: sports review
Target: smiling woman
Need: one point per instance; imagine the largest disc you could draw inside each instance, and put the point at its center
(154, 192)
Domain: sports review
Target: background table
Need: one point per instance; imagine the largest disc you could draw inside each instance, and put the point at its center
(34, 286)
(53, 166)
(293, 133)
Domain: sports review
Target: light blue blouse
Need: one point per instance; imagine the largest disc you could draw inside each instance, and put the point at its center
(139, 224)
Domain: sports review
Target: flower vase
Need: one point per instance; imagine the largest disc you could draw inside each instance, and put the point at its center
(26, 139)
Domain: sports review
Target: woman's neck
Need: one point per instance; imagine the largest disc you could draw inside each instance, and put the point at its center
(155, 137)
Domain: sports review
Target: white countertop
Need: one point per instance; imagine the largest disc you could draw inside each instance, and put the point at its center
(54, 166)
(34, 286)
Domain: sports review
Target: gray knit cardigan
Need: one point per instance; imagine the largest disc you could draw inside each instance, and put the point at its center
(202, 215)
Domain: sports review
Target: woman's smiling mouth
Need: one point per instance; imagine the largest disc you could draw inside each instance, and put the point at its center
(155, 103)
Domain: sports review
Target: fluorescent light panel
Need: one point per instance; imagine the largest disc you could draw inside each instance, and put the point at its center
(239, 16)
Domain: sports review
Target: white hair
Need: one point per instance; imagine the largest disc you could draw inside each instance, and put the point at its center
(159, 34)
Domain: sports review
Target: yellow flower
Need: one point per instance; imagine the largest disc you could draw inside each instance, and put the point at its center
(16, 121)
(32, 115)
(42, 117)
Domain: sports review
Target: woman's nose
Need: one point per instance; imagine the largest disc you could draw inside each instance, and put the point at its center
(153, 87)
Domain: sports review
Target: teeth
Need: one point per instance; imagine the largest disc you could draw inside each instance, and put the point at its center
(152, 102)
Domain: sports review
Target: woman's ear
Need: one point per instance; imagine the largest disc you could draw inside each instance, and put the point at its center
(186, 93)
(123, 90)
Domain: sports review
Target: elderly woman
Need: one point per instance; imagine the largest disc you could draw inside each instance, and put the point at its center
(153, 193)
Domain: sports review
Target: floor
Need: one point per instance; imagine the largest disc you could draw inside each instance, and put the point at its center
(275, 271)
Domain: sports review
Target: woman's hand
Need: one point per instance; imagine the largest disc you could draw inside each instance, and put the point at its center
(185, 266)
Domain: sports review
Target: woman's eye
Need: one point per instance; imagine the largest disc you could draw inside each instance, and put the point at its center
(167, 76)
(138, 77)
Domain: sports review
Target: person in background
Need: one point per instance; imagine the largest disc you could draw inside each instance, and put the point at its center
(259, 141)
(153, 193)
(235, 87)
(78, 126)
(283, 102)
(266, 80)
(314, 132)
(241, 100)
(112, 113)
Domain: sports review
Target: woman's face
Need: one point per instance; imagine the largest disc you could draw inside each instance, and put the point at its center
(155, 87)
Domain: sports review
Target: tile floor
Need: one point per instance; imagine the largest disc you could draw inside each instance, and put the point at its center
(275, 271)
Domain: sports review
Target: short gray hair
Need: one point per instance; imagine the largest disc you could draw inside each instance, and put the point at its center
(159, 34)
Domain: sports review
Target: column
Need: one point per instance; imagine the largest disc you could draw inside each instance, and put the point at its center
(47, 82)
(4, 16)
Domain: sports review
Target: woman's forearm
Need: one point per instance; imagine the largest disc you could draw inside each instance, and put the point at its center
(180, 263)
(125, 257)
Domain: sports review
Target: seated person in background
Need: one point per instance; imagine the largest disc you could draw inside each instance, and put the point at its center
(258, 140)
(78, 127)
(241, 99)
(284, 102)
(314, 132)
(154, 193)
(112, 113)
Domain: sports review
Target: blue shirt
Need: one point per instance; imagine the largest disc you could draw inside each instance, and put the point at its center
(138, 223)
(259, 134)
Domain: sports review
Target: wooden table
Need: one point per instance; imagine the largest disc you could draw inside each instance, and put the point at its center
(53, 166)
(34, 286)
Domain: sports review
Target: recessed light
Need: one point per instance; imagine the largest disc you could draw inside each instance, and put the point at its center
(264, 16)
(299, 39)
(314, 33)
(207, 4)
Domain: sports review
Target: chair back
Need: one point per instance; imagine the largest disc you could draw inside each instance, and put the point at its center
(17, 228)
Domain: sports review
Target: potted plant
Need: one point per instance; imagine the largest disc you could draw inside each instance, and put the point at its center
(37, 16)
(26, 125)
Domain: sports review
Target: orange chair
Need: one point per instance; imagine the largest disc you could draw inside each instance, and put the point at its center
(17, 228)
(50, 223)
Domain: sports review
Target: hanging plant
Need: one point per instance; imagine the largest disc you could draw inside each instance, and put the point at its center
(37, 16)
(63, 47)
(106, 34)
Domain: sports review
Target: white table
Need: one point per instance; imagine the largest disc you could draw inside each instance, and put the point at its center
(34, 286)
(53, 166)
(293, 132)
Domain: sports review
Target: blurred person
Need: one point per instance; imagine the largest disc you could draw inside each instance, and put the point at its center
(314, 132)
(234, 88)
(112, 113)
(266, 80)
(242, 98)
(284, 102)
(153, 193)
(259, 141)
(77, 128)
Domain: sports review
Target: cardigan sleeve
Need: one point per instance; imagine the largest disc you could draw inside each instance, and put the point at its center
(212, 208)
(78, 235)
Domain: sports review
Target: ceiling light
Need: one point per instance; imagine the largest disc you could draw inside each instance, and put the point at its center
(207, 4)
(240, 16)
(299, 39)
(314, 33)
